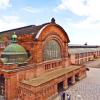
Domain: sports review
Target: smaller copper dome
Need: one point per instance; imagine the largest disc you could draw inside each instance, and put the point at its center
(14, 54)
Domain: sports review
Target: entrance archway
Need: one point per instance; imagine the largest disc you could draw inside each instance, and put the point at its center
(60, 87)
(2, 85)
(77, 77)
(69, 81)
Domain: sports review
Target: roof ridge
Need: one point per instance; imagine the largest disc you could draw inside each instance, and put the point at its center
(17, 28)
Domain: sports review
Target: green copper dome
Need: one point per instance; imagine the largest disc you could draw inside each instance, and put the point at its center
(14, 48)
(14, 54)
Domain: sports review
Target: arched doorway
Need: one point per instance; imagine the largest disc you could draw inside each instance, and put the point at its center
(2, 85)
(94, 56)
(69, 81)
(60, 87)
(77, 77)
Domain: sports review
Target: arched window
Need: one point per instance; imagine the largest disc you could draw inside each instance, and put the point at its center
(52, 50)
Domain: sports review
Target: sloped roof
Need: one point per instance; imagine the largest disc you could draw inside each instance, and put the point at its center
(82, 46)
(31, 29)
(82, 50)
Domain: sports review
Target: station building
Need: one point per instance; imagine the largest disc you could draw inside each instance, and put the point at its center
(80, 54)
(35, 63)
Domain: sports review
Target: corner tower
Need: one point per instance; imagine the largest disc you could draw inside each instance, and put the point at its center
(14, 53)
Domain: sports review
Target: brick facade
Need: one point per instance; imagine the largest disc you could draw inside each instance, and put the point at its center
(21, 81)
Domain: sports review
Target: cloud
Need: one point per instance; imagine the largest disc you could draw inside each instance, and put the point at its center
(81, 7)
(89, 8)
(10, 22)
(31, 10)
(75, 6)
(4, 4)
(85, 29)
(85, 25)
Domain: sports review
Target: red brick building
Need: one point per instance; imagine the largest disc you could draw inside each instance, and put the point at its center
(37, 67)
(80, 54)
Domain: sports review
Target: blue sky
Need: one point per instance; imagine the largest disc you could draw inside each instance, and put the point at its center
(79, 18)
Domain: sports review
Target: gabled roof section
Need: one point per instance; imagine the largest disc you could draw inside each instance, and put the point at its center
(32, 29)
(39, 32)
(53, 23)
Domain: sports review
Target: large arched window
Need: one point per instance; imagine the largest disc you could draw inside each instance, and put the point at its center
(52, 50)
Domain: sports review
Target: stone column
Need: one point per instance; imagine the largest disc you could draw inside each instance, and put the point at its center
(65, 85)
(7, 89)
(10, 87)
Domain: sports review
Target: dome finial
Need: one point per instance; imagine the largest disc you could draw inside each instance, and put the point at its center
(53, 20)
(14, 38)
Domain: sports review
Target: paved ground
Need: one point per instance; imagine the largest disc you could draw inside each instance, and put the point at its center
(87, 89)
(2, 98)
(93, 64)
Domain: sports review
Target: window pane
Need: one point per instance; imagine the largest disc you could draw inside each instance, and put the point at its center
(52, 50)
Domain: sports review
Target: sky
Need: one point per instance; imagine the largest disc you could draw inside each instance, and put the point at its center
(79, 18)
